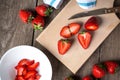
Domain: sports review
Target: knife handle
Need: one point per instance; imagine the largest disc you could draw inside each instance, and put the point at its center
(113, 10)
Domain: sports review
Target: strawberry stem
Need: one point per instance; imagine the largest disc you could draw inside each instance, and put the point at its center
(38, 27)
(49, 10)
(30, 18)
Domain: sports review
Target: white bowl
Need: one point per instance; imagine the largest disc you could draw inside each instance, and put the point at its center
(14, 55)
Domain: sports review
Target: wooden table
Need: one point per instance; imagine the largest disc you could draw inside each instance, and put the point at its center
(14, 32)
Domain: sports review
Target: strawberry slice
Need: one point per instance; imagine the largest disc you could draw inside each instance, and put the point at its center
(19, 78)
(20, 70)
(65, 32)
(33, 66)
(74, 28)
(37, 77)
(31, 78)
(25, 16)
(24, 62)
(64, 45)
(30, 74)
(84, 39)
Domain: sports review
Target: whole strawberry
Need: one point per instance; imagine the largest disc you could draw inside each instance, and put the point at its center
(87, 78)
(98, 71)
(43, 10)
(38, 23)
(111, 66)
(25, 16)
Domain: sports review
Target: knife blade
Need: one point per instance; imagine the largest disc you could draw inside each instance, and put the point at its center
(96, 12)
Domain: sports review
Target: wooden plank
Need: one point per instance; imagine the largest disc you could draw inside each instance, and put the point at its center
(80, 55)
(59, 70)
(13, 31)
(110, 49)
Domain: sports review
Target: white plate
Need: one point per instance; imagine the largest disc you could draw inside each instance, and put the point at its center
(14, 55)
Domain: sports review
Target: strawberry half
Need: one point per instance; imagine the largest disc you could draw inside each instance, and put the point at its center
(25, 16)
(65, 32)
(92, 24)
(43, 10)
(112, 66)
(98, 71)
(33, 66)
(74, 28)
(64, 45)
(84, 39)
(38, 23)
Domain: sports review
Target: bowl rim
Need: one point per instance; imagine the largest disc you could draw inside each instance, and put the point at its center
(9, 50)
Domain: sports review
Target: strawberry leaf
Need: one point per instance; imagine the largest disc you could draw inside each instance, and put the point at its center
(38, 27)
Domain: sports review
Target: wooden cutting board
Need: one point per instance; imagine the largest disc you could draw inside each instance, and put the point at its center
(76, 56)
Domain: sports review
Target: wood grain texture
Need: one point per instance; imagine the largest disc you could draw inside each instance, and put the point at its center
(59, 70)
(13, 31)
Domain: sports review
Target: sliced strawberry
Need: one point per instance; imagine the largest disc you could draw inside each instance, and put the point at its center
(112, 66)
(38, 23)
(64, 45)
(84, 39)
(91, 24)
(74, 28)
(20, 70)
(65, 32)
(37, 76)
(33, 66)
(26, 16)
(30, 74)
(20, 78)
(24, 71)
(31, 78)
(24, 62)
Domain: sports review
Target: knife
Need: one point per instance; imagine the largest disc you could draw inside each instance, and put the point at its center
(96, 12)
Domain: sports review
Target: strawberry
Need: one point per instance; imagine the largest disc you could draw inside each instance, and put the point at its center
(19, 78)
(65, 32)
(31, 78)
(87, 78)
(37, 77)
(33, 66)
(43, 10)
(25, 16)
(74, 28)
(25, 62)
(30, 74)
(38, 23)
(70, 30)
(112, 66)
(20, 70)
(98, 71)
(63, 46)
(84, 39)
(91, 24)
